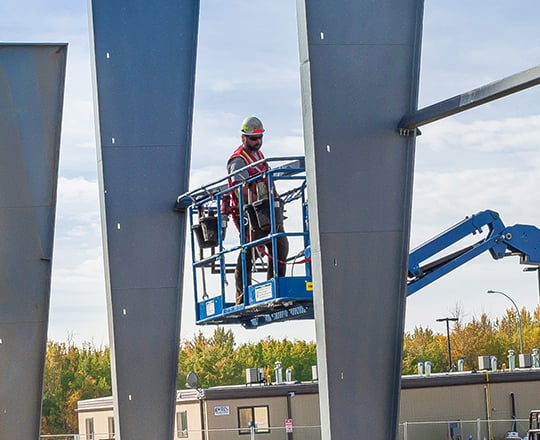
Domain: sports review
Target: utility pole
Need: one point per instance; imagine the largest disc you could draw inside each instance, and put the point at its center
(448, 339)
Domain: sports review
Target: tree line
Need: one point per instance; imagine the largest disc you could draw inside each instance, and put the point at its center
(479, 337)
(71, 374)
(77, 373)
(217, 360)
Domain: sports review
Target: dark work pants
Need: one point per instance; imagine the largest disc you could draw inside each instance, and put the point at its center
(281, 255)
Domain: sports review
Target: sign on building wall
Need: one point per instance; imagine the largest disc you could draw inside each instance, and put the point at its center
(221, 410)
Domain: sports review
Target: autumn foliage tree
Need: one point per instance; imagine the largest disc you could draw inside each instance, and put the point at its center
(213, 359)
(479, 337)
(218, 361)
(72, 374)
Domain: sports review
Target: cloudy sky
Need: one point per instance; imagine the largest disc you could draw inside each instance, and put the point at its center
(486, 158)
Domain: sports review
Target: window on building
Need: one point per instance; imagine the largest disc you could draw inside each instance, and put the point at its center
(181, 424)
(89, 424)
(110, 427)
(256, 416)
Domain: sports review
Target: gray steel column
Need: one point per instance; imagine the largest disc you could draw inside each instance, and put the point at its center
(144, 69)
(31, 100)
(359, 70)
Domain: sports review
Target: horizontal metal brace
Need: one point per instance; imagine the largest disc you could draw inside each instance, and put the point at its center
(489, 92)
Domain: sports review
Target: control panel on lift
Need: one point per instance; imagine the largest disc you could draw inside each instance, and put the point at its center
(235, 240)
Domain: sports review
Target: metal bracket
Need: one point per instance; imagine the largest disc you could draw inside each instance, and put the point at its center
(408, 132)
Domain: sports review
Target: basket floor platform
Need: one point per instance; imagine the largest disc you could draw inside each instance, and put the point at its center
(278, 299)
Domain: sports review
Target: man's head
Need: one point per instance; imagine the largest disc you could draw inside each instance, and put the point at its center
(252, 133)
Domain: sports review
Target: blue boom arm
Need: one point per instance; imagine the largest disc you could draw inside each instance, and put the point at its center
(500, 241)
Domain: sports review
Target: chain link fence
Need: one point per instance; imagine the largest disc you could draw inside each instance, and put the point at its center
(441, 430)
(463, 429)
(60, 437)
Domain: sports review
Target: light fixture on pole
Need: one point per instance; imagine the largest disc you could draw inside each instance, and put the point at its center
(518, 318)
(448, 339)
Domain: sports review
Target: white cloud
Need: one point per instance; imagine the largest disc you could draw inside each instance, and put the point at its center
(223, 85)
(485, 136)
(78, 306)
(78, 204)
(484, 158)
(466, 167)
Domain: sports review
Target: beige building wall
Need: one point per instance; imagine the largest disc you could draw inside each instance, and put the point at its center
(96, 414)
(194, 420)
(429, 407)
(100, 420)
(226, 427)
(306, 417)
(467, 405)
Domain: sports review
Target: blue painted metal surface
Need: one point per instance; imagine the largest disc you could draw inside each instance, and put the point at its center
(31, 97)
(144, 66)
(500, 241)
(359, 70)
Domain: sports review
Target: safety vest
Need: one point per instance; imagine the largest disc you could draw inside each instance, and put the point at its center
(249, 157)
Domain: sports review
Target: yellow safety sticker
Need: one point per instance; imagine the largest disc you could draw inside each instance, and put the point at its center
(309, 285)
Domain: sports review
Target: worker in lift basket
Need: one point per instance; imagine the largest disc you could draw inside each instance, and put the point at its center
(247, 153)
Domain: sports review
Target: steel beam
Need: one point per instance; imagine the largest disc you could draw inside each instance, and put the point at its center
(31, 97)
(144, 69)
(359, 75)
(473, 98)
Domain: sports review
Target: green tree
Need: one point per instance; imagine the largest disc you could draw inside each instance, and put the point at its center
(297, 355)
(213, 359)
(72, 374)
(424, 345)
(479, 337)
(217, 360)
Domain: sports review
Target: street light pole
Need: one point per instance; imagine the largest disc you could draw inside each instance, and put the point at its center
(448, 339)
(518, 317)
